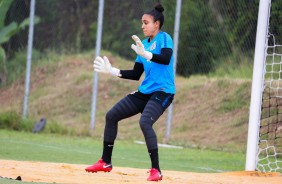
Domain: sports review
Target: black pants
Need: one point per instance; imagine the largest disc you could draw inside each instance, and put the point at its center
(151, 106)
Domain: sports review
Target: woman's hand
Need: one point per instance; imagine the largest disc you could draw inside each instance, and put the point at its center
(104, 66)
(139, 48)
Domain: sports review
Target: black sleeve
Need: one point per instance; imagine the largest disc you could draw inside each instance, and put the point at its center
(133, 74)
(164, 57)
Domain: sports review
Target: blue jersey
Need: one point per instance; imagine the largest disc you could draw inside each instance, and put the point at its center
(158, 77)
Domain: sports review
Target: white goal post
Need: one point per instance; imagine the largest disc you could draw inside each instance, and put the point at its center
(257, 85)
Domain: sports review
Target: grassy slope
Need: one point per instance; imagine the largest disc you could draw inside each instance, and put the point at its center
(207, 112)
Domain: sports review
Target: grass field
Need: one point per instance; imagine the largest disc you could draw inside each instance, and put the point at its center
(76, 150)
(56, 148)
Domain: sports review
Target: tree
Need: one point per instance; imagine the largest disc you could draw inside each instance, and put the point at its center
(6, 33)
(240, 19)
(202, 39)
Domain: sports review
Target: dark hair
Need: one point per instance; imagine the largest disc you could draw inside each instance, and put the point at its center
(157, 14)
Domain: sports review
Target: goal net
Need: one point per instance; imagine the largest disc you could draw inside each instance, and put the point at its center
(269, 158)
(264, 148)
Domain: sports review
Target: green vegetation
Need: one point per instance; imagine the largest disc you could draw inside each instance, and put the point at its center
(237, 66)
(6, 33)
(6, 181)
(209, 32)
(12, 121)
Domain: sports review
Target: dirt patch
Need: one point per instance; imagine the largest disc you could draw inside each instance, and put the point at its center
(75, 174)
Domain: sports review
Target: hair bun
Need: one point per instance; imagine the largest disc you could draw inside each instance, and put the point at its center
(159, 8)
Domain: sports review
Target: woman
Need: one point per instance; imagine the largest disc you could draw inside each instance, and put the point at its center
(154, 95)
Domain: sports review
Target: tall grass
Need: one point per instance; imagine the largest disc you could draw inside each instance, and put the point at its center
(16, 64)
(237, 65)
(12, 121)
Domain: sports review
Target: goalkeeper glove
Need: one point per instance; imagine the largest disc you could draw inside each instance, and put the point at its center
(104, 66)
(139, 48)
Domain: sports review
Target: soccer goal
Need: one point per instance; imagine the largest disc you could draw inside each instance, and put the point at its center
(264, 148)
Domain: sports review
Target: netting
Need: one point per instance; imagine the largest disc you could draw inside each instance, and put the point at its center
(216, 39)
(68, 28)
(270, 135)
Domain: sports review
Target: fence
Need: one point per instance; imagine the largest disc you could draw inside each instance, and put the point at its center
(216, 38)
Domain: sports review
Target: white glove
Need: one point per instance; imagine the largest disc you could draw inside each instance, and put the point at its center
(139, 48)
(104, 66)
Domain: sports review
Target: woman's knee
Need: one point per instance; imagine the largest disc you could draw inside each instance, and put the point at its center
(110, 115)
(146, 123)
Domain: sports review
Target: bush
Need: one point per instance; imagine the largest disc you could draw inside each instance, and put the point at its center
(13, 121)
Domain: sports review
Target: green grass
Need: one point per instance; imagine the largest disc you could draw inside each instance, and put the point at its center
(237, 65)
(77, 150)
(13, 181)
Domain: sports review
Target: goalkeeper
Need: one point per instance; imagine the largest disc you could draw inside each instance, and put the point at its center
(154, 95)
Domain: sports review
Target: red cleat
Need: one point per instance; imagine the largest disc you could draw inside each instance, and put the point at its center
(99, 166)
(155, 175)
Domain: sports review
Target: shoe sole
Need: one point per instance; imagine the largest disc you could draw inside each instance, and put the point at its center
(96, 171)
(159, 179)
(155, 180)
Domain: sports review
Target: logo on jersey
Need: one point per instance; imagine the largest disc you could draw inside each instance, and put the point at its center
(153, 46)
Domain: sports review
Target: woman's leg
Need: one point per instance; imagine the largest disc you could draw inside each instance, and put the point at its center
(123, 109)
(151, 113)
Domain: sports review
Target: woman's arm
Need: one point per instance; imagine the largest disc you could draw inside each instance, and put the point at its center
(133, 74)
(164, 57)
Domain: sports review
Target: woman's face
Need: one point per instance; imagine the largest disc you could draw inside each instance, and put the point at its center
(149, 27)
